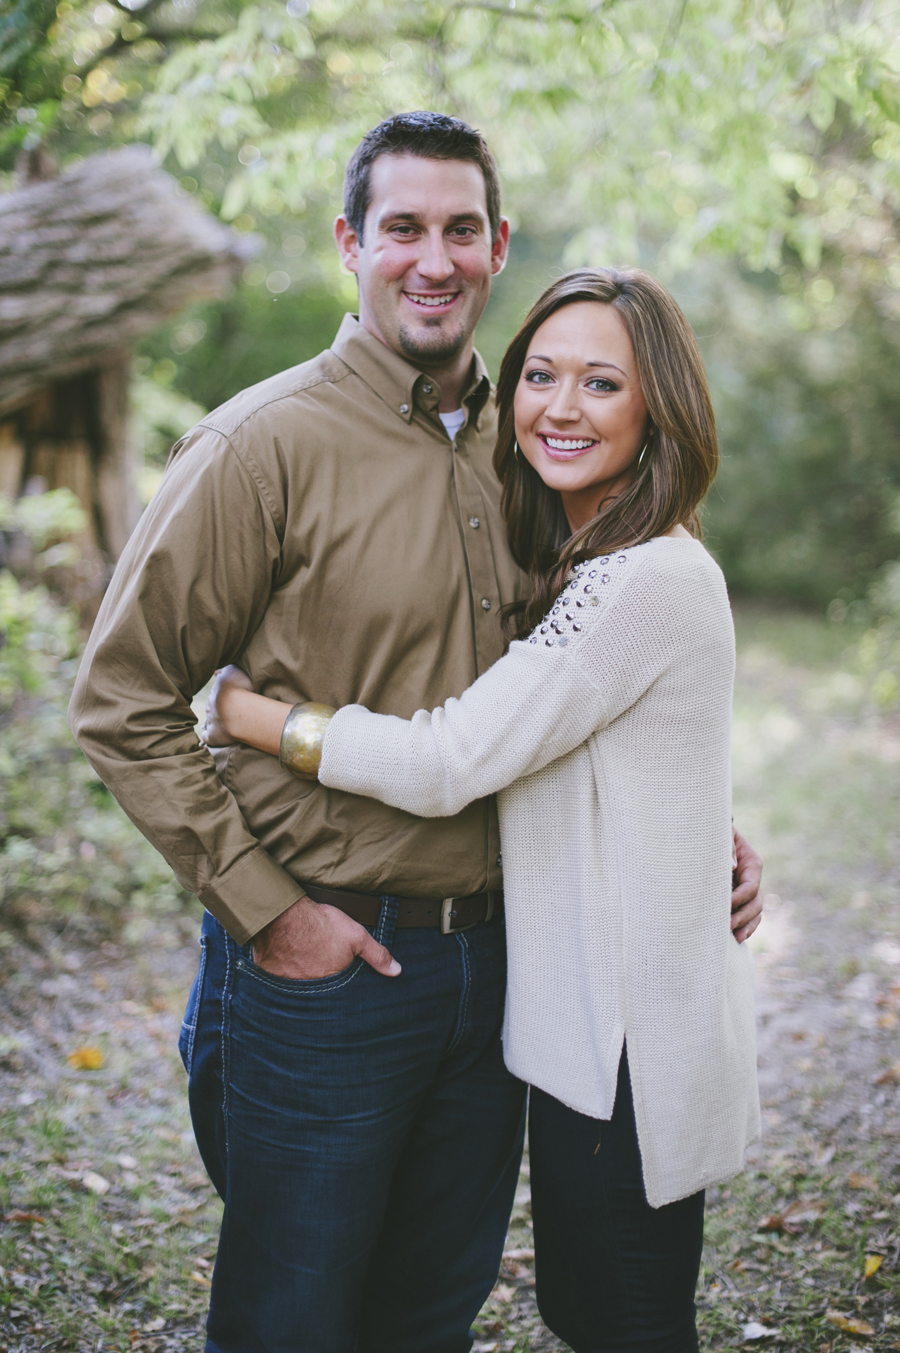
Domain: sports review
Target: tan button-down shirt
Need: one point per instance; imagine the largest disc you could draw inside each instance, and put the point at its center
(321, 530)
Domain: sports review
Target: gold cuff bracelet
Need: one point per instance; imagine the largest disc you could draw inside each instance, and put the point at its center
(300, 751)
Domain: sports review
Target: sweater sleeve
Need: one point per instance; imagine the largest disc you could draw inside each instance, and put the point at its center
(576, 672)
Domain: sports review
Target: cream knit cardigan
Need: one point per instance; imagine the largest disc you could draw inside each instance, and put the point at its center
(606, 735)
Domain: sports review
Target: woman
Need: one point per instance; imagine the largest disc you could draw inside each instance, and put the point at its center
(605, 732)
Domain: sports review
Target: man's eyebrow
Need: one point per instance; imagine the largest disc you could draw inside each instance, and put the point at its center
(416, 217)
(538, 357)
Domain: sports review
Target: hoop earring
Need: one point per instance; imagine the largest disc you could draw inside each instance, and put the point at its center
(643, 451)
(515, 450)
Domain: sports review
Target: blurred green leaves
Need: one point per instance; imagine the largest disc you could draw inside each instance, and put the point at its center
(746, 147)
(713, 125)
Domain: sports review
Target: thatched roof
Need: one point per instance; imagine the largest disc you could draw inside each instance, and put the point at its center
(94, 259)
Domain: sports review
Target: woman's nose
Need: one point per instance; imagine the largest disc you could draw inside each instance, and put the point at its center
(563, 406)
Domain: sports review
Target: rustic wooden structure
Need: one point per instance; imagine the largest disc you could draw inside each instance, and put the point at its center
(89, 262)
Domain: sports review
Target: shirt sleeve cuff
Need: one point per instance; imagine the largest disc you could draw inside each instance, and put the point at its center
(250, 895)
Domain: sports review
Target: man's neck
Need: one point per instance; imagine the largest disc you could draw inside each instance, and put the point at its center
(452, 378)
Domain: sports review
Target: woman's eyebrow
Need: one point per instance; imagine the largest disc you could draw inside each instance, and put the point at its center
(538, 357)
(612, 365)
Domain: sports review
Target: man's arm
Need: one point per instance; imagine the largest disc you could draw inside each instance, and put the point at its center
(190, 589)
(746, 904)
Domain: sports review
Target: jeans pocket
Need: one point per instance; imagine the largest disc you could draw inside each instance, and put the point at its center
(297, 985)
(192, 1011)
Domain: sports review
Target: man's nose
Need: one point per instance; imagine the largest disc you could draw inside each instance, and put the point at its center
(434, 261)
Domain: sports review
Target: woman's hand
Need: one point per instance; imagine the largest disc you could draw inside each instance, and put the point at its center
(216, 730)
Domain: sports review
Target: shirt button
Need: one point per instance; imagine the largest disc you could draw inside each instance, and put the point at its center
(500, 861)
(404, 408)
(427, 388)
(474, 523)
(485, 604)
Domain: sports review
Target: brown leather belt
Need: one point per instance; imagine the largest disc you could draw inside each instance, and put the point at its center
(449, 914)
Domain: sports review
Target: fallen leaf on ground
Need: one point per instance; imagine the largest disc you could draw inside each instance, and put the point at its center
(773, 1222)
(95, 1183)
(16, 1215)
(503, 1293)
(798, 1214)
(86, 1059)
(873, 1264)
(889, 1077)
(127, 1162)
(518, 1254)
(757, 1331)
(153, 1325)
(199, 1278)
(802, 1211)
(849, 1324)
(823, 1154)
(861, 1181)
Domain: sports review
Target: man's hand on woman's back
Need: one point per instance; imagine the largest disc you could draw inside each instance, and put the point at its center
(746, 904)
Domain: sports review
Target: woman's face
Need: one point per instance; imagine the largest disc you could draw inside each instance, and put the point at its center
(579, 411)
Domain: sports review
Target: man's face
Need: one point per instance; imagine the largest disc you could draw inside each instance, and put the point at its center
(427, 260)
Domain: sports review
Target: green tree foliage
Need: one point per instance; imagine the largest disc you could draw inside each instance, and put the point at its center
(746, 127)
(744, 148)
(65, 847)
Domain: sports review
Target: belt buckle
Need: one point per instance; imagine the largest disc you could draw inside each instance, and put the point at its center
(447, 928)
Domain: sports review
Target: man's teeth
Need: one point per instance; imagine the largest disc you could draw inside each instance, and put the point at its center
(561, 444)
(431, 300)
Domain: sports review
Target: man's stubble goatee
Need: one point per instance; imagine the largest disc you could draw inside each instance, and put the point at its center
(439, 347)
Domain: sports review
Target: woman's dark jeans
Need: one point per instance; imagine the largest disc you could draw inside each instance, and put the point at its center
(614, 1275)
(365, 1137)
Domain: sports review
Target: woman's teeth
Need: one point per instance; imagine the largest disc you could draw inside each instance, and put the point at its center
(433, 301)
(564, 444)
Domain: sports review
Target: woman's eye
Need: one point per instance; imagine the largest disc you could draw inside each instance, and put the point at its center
(538, 377)
(602, 384)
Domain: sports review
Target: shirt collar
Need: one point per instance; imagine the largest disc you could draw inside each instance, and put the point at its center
(401, 385)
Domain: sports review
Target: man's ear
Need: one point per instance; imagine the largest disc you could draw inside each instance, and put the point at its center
(500, 247)
(348, 243)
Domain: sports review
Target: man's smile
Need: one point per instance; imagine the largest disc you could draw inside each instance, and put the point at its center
(424, 300)
(565, 448)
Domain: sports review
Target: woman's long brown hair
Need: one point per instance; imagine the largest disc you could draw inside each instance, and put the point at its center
(680, 457)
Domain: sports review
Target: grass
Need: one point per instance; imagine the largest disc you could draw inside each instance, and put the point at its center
(817, 789)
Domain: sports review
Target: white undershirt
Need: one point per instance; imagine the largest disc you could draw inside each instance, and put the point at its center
(453, 422)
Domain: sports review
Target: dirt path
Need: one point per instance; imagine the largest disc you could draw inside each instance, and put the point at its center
(121, 1257)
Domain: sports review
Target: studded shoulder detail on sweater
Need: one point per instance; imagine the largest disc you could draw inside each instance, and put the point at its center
(586, 588)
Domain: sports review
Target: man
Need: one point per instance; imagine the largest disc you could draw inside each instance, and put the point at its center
(336, 531)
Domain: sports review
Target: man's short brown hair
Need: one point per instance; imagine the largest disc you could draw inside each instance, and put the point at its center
(432, 136)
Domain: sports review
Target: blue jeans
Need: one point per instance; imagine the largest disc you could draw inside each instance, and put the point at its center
(614, 1275)
(365, 1137)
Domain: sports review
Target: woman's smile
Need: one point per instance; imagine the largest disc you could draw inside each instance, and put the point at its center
(566, 448)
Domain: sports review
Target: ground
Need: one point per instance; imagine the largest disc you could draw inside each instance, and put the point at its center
(109, 1224)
